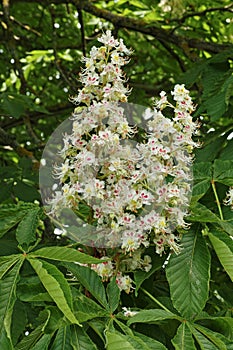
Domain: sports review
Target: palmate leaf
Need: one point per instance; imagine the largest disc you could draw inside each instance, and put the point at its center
(152, 316)
(183, 339)
(65, 254)
(223, 246)
(188, 275)
(90, 280)
(26, 230)
(80, 340)
(8, 297)
(56, 285)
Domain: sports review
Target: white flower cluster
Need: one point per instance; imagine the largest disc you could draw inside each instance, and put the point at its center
(229, 198)
(138, 192)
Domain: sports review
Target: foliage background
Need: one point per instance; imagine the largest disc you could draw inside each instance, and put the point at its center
(188, 304)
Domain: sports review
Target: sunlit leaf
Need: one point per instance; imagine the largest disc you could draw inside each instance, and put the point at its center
(65, 254)
(151, 316)
(56, 285)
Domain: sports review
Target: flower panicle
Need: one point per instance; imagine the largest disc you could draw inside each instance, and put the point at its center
(137, 194)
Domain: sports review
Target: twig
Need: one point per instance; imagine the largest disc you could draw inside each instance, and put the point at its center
(228, 8)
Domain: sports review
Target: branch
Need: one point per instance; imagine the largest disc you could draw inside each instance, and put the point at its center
(140, 26)
(146, 28)
(24, 26)
(228, 8)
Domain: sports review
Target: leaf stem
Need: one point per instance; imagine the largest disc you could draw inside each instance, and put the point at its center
(155, 300)
(217, 199)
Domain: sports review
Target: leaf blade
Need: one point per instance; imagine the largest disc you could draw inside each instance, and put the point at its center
(55, 286)
(188, 275)
(64, 254)
(223, 252)
(183, 339)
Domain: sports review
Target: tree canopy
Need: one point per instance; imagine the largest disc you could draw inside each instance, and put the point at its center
(185, 300)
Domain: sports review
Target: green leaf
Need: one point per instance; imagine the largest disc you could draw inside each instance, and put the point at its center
(65, 254)
(62, 340)
(56, 285)
(113, 293)
(199, 213)
(8, 221)
(13, 104)
(212, 336)
(6, 265)
(5, 342)
(152, 316)
(8, 297)
(115, 341)
(152, 343)
(202, 171)
(10, 215)
(90, 280)
(188, 275)
(25, 191)
(202, 341)
(33, 337)
(223, 325)
(26, 230)
(88, 309)
(19, 321)
(80, 340)
(183, 339)
(223, 246)
(211, 149)
(223, 171)
(200, 189)
(43, 343)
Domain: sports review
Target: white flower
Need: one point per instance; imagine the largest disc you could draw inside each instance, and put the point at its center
(124, 282)
(229, 198)
(104, 270)
(128, 312)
